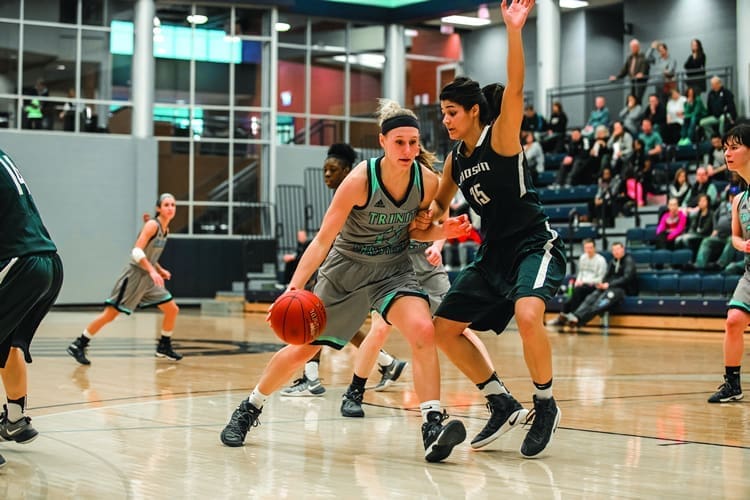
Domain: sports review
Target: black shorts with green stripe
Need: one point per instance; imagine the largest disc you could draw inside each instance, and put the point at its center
(485, 292)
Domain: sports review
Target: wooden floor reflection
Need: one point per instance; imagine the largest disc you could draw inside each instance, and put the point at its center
(635, 421)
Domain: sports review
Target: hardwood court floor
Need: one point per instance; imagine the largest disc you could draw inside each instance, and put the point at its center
(635, 422)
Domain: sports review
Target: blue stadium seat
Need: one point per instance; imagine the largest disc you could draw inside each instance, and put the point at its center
(681, 257)
(580, 233)
(648, 284)
(561, 213)
(690, 285)
(712, 285)
(661, 258)
(553, 160)
(634, 237)
(546, 178)
(642, 257)
(689, 152)
(668, 284)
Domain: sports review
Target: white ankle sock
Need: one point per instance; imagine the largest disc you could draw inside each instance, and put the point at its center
(257, 398)
(311, 370)
(429, 406)
(165, 333)
(384, 359)
(494, 387)
(15, 412)
(543, 393)
(87, 334)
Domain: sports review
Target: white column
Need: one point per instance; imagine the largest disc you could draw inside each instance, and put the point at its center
(394, 71)
(548, 52)
(143, 69)
(743, 59)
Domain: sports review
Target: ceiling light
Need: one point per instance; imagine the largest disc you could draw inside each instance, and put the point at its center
(573, 4)
(283, 26)
(446, 29)
(197, 19)
(411, 33)
(465, 20)
(483, 12)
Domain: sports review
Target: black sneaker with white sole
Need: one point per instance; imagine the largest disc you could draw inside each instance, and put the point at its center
(729, 391)
(20, 431)
(390, 374)
(440, 439)
(77, 349)
(243, 417)
(505, 414)
(546, 417)
(351, 404)
(164, 350)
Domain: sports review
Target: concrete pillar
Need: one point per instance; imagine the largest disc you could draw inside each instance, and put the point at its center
(394, 71)
(743, 59)
(548, 52)
(143, 70)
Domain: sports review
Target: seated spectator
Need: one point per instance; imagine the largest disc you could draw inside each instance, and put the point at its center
(675, 117)
(576, 152)
(585, 172)
(652, 141)
(716, 164)
(695, 110)
(671, 225)
(679, 187)
(291, 260)
(557, 126)
(534, 154)
(532, 121)
(702, 185)
(716, 251)
(700, 225)
(604, 207)
(620, 146)
(663, 69)
(619, 281)
(656, 113)
(722, 112)
(631, 115)
(598, 116)
(591, 270)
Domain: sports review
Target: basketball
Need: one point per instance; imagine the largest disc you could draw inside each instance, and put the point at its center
(298, 317)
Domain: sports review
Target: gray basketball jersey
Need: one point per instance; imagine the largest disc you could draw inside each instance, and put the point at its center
(743, 211)
(154, 247)
(379, 231)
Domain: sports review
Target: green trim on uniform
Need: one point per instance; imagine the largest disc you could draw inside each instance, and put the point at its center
(736, 304)
(334, 342)
(117, 306)
(391, 297)
(374, 185)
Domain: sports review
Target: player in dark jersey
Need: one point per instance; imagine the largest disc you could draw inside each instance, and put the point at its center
(363, 248)
(31, 275)
(737, 153)
(141, 284)
(520, 263)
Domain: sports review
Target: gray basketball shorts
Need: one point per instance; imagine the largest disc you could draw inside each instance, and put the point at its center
(135, 288)
(350, 289)
(434, 279)
(741, 297)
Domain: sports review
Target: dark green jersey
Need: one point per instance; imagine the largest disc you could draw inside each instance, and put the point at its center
(499, 189)
(21, 229)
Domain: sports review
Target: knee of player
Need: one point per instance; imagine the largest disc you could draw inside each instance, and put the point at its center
(421, 333)
(528, 321)
(737, 321)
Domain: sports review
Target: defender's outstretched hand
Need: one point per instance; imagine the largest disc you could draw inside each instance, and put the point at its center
(515, 14)
(455, 227)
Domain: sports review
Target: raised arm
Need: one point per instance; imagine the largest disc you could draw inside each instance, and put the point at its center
(507, 127)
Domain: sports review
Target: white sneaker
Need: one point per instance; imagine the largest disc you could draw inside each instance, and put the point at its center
(304, 387)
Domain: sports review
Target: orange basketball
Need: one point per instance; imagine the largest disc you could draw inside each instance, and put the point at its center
(298, 317)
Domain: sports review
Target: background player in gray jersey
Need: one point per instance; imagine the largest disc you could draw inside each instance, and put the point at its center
(141, 284)
(368, 268)
(31, 275)
(737, 153)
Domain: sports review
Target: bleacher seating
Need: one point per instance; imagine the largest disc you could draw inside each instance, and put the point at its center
(561, 212)
(567, 194)
(579, 233)
(673, 294)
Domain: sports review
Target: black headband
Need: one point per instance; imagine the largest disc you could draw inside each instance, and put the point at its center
(398, 121)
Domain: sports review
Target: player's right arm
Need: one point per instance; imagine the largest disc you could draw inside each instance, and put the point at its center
(352, 192)
(446, 191)
(149, 230)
